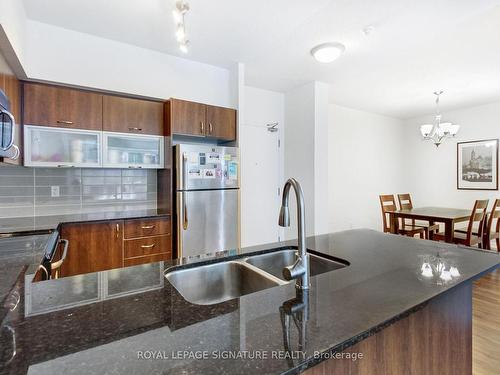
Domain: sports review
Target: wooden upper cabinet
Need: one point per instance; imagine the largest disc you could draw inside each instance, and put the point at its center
(55, 106)
(126, 115)
(186, 118)
(92, 247)
(221, 123)
(12, 88)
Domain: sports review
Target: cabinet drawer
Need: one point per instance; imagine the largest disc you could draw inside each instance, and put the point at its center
(146, 227)
(147, 246)
(147, 259)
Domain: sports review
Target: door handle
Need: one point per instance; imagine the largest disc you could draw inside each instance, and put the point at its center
(202, 127)
(117, 230)
(184, 169)
(210, 128)
(185, 221)
(56, 265)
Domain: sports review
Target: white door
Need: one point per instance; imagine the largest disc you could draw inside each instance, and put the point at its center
(260, 181)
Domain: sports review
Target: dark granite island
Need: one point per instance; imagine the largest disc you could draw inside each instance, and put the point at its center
(382, 307)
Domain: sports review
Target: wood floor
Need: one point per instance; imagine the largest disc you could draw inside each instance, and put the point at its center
(486, 325)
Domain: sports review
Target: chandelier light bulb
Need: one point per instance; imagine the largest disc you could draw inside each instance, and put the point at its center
(454, 130)
(426, 130)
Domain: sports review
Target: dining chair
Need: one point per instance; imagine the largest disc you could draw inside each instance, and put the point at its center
(388, 203)
(405, 203)
(474, 234)
(492, 231)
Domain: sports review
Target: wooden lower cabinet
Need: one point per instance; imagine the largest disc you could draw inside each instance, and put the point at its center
(92, 247)
(435, 340)
(100, 246)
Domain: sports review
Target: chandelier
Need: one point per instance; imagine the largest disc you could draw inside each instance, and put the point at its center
(439, 131)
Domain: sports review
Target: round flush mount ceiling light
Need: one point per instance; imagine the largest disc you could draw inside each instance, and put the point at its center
(327, 52)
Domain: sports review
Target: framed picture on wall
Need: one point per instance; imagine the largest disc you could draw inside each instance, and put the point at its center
(477, 165)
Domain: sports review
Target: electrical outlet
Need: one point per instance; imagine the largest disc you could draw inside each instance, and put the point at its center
(54, 191)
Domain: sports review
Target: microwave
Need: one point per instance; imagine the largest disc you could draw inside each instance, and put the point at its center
(7, 129)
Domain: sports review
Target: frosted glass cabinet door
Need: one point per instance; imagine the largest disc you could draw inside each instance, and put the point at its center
(132, 151)
(52, 147)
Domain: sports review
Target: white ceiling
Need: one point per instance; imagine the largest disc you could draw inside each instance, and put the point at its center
(416, 47)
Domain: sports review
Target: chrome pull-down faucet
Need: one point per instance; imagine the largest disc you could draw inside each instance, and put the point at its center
(300, 269)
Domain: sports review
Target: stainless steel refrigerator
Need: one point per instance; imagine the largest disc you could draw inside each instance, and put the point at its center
(206, 184)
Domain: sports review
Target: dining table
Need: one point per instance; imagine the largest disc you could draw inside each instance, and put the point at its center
(448, 216)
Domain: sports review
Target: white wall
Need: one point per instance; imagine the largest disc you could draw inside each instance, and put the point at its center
(13, 22)
(299, 150)
(49, 53)
(431, 171)
(306, 114)
(366, 158)
(4, 67)
(61, 55)
(321, 161)
(261, 166)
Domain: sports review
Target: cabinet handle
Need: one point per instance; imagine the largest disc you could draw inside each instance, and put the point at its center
(148, 246)
(135, 129)
(65, 166)
(148, 227)
(65, 122)
(202, 126)
(134, 167)
(210, 128)
(117, 230)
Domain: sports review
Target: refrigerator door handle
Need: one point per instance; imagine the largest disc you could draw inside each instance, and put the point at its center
(180, 214)
(185, 221)
(184, 169)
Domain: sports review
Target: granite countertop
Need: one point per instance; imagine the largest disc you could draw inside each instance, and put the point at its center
(49, 223)
(17, 254)
(133, 321)
(20, 252)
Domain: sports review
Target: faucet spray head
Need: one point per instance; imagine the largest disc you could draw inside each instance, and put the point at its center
(284, 218)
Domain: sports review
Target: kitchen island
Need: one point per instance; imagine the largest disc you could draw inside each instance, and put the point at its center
(385, 312)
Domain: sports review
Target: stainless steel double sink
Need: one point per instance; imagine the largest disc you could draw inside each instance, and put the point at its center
(219, 282)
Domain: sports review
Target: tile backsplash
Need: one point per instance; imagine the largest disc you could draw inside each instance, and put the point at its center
(29, 192)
